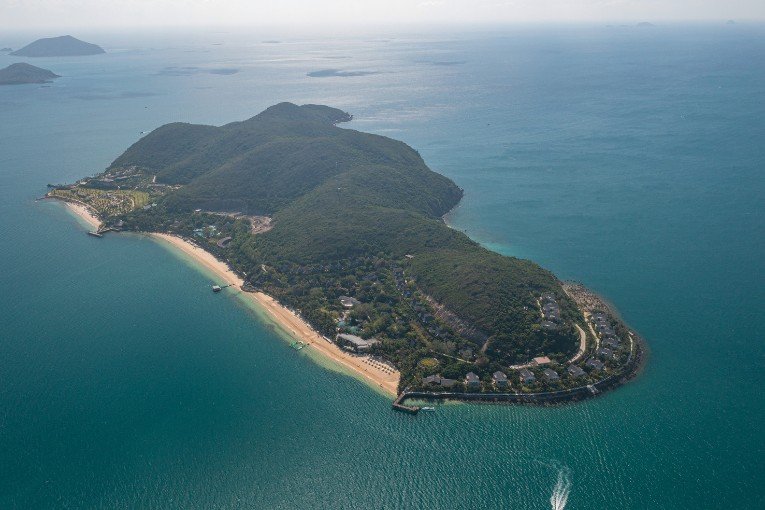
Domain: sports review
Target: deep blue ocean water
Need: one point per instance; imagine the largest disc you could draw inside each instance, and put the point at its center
(629, 159)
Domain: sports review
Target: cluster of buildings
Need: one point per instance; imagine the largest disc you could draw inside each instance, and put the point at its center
(609, 341)
(550, 311)
(205, 232)
(500, 380)
(609, 344)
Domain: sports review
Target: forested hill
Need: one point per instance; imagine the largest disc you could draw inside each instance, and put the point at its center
(353, 214)
(20, 73)
(62, 46)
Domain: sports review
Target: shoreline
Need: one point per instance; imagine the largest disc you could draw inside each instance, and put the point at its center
(82, 212)
(363, 367)
(287, 321)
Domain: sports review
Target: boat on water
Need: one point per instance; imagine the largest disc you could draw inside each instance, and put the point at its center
(297, 345)
(428, 409)
(216, 288)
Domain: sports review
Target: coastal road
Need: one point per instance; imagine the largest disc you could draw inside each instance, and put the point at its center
(582, 345)
(577, 356)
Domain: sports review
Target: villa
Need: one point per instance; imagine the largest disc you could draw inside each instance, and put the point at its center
(527, 376)
(437, 380)
(472, 381)
(348, 302)
(551, 375)
(605, 352)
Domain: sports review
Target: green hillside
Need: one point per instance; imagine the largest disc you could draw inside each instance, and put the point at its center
(16, 74)
(353, 214)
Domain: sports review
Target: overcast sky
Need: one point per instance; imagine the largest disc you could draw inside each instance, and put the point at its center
(21, 14)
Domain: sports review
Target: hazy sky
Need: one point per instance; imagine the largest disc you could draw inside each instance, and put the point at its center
(20, 14)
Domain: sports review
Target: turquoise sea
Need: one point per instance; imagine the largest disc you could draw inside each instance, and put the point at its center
(630, 159)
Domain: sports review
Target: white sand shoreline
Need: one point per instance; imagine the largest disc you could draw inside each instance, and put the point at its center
(290, 323)
(82, 212)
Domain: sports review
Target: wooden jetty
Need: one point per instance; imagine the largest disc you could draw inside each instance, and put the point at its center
(218, 288)
(398, 406)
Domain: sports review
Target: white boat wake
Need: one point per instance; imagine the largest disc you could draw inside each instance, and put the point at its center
(561, 490)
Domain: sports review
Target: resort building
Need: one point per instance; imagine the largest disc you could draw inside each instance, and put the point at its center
(355, 343)
(611, 341)
(541, 360)
(575, 371)
(605, 353)
(550, 310)
(526, 376)
(596, 364)
(472, 381)
(437, 380)
(500, 379)
(348, 302)
(432, 379)
(551, 375)
(448, 383)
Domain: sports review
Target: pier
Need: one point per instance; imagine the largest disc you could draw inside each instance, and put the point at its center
(399, 406)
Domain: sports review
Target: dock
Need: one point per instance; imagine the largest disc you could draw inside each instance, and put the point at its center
(398, 406)
(101, 231)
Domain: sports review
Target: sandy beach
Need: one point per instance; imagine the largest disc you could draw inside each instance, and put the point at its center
(367, 369)
(363, 366)
(83, 212)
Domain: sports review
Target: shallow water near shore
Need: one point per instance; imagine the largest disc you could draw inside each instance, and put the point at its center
(630, 160)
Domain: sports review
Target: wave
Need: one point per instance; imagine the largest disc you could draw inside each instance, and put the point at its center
(562, 488)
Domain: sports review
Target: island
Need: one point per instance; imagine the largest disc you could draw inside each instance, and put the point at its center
(62, 46)
(341, 236)
(6, 50)
(338, 73)
(20, 73)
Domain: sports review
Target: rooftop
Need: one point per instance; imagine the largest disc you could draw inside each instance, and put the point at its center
(551, 374)
(348, 302)
(357, 340)
(605, 352)
(526, 373)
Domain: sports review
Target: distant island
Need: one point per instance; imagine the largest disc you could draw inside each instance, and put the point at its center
(62, 46)
(17, 74)
(340, 235)
(6, 50)
(338, 73)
